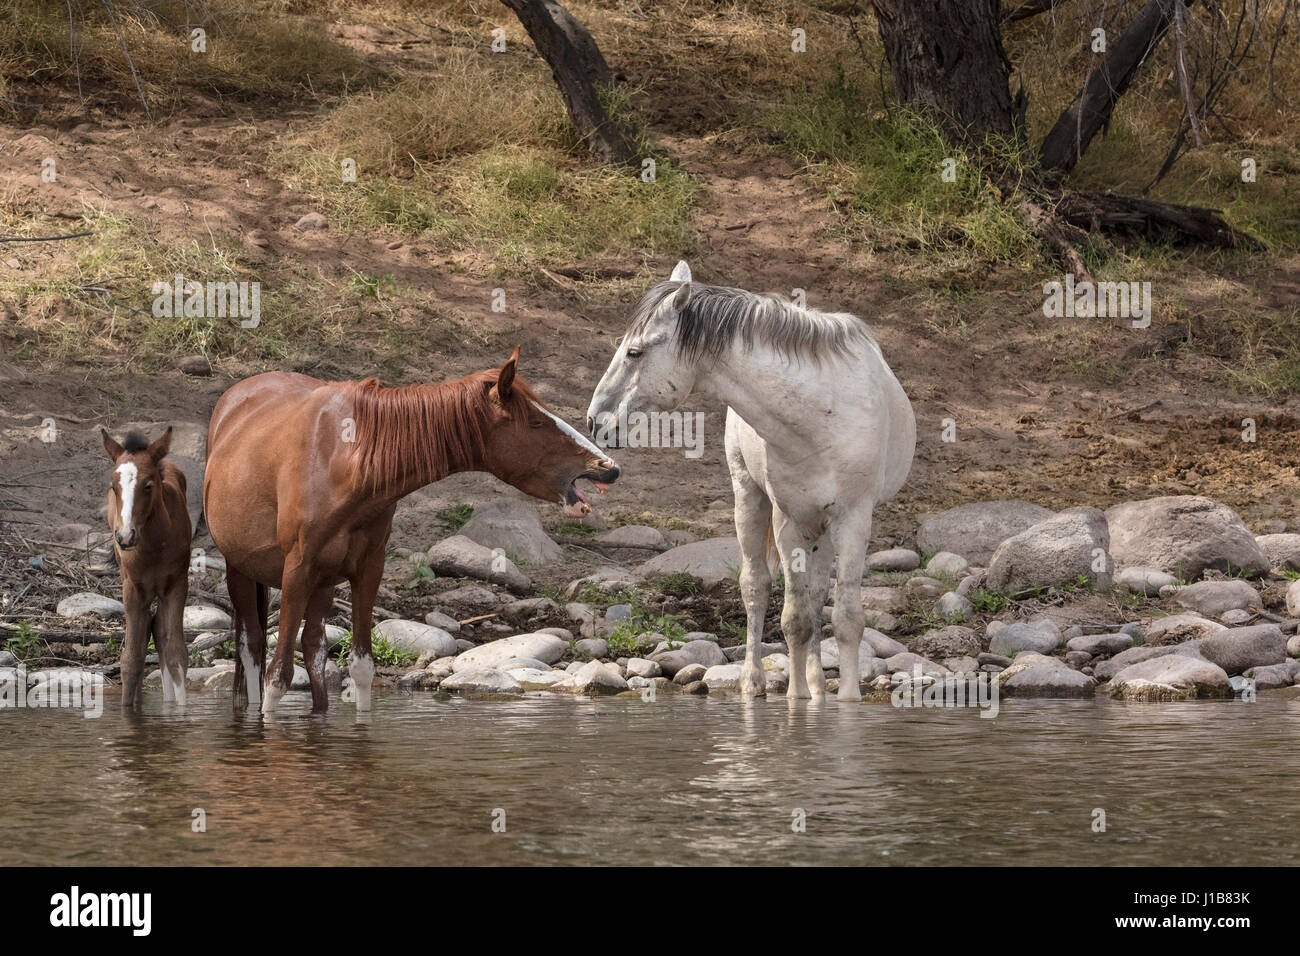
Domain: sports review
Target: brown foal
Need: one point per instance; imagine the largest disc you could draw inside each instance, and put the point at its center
(151, 535)
(303, 477)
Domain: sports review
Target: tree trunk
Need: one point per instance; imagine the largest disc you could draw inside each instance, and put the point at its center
(1072, 133)
(1150, 219)
(947, 60)
(579, 69)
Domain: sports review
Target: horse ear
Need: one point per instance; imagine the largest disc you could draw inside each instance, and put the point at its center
(159, 447)
(506, 377)
(681, 273)
(112, 447)
(682, 296)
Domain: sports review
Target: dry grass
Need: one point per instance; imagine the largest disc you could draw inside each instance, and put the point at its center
(114, 54)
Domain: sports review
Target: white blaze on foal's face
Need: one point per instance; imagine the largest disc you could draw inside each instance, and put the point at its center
(127, 476)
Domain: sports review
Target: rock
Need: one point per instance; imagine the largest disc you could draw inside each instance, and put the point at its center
(512, 526)
(713, 561)
(1213, 598)
(195, 365)
(1240, 648)
(640, 667)
(1282, 551)
(531, 678)
(223, 679)
(543, 647)
(882, 645)
(961, 665)
(765, 649)
(975, 530)
(1271, 677)
(1293, 598)
(607, 580)
(886, 600)
(1105, 670)
(417, 638)
(722, 677)
(313, 220)
(592, 647)
(997, 660)
(458, 555)
(951, 641)
(922, 588)
(205, 617)
(1059, 550)
(1236, 617)
(633, 536)
(419, 679)
(471, 596)
(439, 620)
(1293, 645)
(690, 674)
(1096, 645)
(1048, 680)
(482, 680)
(1146, 581)
(906, 662)
(1041, 637)
(89, 604)
(953, 606)
(706, 653)
(895, 559)
(1077, 659)
(1184, 535)
(1171, 677)
(869, 665)
(945, 562)
(1178, 628)
(527, 607)
(464, 644)
(7, 659)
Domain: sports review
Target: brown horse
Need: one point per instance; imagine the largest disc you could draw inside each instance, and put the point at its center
(303, 478)
(151, 535)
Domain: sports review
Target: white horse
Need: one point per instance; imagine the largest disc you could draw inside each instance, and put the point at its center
(818, 431)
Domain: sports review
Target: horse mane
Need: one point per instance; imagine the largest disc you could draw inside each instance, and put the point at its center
(425, 429)
(134, 442)
(716, 316)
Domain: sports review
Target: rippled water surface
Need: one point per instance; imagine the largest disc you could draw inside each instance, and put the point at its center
(678, 781)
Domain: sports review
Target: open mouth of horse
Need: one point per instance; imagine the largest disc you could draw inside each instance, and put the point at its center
(575, 502)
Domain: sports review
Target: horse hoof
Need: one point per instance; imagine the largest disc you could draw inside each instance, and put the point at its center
(271, 697)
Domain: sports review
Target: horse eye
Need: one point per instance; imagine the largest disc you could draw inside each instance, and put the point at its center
(633, 353)
(536, 423)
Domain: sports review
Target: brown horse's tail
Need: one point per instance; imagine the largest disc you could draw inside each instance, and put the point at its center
(262, 607)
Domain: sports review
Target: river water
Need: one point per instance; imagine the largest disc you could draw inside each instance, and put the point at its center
(432, 779)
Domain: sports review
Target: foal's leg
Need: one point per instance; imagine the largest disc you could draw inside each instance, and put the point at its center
(313, 646)
(850, 537)
(799, 617)
(753, 524)
(249, 660)
(134, 645)
(169, 636)
(294, 594)
(365, 585)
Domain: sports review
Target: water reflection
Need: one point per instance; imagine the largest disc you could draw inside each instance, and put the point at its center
(678, 780)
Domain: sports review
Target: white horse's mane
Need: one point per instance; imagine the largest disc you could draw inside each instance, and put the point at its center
(715, 317)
